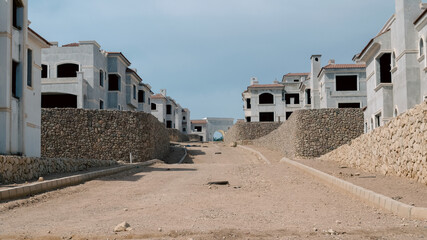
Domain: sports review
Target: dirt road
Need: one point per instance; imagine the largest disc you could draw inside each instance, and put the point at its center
(263, 201)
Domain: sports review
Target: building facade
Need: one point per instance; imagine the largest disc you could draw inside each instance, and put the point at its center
(330, 86)
(20, 54)
(206, 128)
(82, 75)
(170, 113)
(396, 64)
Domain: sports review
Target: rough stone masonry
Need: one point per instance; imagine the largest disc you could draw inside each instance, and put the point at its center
(398, 148)
(312, 133)
(102, 134)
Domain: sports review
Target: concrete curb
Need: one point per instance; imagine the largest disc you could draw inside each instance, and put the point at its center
(256, 153)
(183, 158)
(48, 185)
(372, 198)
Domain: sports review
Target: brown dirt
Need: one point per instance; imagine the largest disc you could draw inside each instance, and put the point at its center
(174, 202)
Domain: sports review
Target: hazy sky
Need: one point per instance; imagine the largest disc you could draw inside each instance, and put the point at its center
(205, 51)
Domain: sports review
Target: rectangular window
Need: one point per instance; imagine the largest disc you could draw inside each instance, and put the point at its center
(248, 119)
(266, 116)
(346, 83)
(113, 82)
(198, 128)
(168, 109)
(184, 130)
(248, 103)
(292, 98)
(134, 92)
(183, 118)
(16, 80)
(378, 120)
(101, 78)
(17, 14)
(348, 105)
(288, 115)
(153, 106)
(308, 96)
(29, 68)
(141, 96)
(101, 104)
(44, 71)
(385, 68)
(168, 124)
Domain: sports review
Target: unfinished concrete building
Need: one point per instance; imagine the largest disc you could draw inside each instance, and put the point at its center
(330, 86)
(20, 55)
(82, 75)
(396, 64)
(169, 112)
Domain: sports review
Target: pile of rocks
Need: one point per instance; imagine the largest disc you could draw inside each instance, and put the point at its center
(177, 136)
(399, 148)
(17, 169)
(102, 134)
(312, 133)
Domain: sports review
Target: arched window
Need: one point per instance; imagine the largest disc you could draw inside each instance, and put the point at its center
(266, 98)
(67, 70)
(421, 47)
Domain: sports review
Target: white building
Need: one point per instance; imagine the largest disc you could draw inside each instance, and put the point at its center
(169, 112)
(82, 75)
(330, 86)
(207, 127)
(396, 64)
(20, 54)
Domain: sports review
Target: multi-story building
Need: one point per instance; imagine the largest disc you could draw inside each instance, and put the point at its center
(396, 64)
(169, 112)
(20, 54)
(82, 75)
(331, 86)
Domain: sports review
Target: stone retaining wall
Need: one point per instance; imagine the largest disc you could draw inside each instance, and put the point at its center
(15, 169)
(102, 134)
(177, 136)
(243, 131)
(399, 148)
(312, 133)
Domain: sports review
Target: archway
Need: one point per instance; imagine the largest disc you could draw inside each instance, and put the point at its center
(218, 136)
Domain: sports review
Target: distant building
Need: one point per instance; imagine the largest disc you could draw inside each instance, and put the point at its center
(396, 64)
(82, 75)
(331, 86)
(20, 54)
(170, 113)
(207, 127)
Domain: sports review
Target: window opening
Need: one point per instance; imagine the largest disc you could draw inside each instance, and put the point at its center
(153, 106)
(266, 98)
(29, 68)
(346, 83)
(292, 98)
(44, 71)
(113, 82)
(101, 78)
(67, 70)
(141, 96)
(266, 116)
(168, 109)
(385, 68)
(348, 105)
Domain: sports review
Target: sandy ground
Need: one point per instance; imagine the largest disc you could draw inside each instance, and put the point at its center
(263, 201)
(399, 188)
